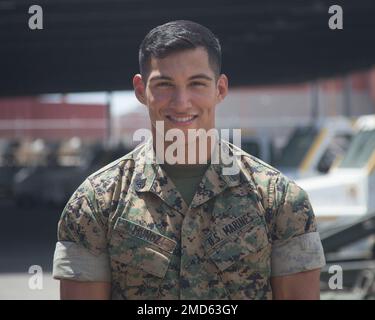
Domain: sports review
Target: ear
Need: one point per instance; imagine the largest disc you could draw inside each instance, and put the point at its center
(222, 87)
(139, 88)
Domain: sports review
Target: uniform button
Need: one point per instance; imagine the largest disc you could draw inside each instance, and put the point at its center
(140, 183)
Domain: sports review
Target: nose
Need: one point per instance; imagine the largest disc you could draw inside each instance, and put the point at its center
(181, 100)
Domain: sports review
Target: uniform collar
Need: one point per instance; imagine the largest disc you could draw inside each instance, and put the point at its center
(149, 176)
(219, 175)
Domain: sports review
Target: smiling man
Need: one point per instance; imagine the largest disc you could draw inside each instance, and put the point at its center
(139, 229)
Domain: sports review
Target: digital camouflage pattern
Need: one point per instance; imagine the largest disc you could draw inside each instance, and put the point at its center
(159, 248)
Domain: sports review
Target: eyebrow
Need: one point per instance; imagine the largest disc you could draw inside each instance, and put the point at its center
(200, 76)
(194, 77)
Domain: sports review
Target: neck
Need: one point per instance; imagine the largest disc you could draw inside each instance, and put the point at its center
(194, 152)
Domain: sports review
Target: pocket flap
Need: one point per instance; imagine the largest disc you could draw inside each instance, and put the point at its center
(141, 247)
(133, 229)
(233, 249)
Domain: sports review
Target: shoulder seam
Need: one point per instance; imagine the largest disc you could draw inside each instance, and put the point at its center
(110, 166)
(251, 157)
(282, 200)
(128, 156)
(99, 211)
(255, 159)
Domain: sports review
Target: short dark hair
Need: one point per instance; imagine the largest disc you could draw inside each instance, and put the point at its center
(177, 36)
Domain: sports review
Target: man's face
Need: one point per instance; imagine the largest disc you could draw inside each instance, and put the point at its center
(182, 91)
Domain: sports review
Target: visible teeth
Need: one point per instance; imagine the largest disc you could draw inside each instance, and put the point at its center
(182, 119)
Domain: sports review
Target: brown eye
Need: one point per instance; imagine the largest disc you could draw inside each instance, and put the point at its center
(198, 84)
(163, 84)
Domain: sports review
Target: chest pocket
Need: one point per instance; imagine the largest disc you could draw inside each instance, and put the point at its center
(140, 259)
(244, 262)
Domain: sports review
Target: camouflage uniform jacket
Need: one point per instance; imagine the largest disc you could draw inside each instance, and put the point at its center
(128, 224)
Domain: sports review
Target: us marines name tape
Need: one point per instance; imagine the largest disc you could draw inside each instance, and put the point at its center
(145, 234)
(229, 229)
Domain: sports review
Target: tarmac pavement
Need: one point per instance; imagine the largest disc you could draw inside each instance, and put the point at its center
(27, 242)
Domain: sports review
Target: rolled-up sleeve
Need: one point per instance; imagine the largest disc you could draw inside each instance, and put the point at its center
(73, 261)
(301, 253)
(296, 245)
(81, 251)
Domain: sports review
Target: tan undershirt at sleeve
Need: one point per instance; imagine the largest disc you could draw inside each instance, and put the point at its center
(298, 254)
(74, 262)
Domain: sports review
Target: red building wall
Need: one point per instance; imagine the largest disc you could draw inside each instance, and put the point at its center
(32, 118)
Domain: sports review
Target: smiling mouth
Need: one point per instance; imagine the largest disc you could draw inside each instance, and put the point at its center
(182, 120)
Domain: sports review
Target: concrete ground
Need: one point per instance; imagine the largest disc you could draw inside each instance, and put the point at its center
(27, 240)
(15, 286)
